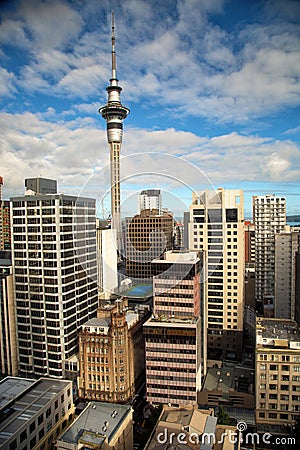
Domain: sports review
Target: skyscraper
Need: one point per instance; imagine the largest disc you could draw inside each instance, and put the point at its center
(114, 113)
(150, 199)
(174, 334)
(217, 227)
(5, 238)
(148, 235)
(8, 341)
(269, 217)
(54, 255)
(287, 244)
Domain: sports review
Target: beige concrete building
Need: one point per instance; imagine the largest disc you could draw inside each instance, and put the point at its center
(111, 353)
(148, 235)
(187, 427)
(100, 426)
(277, 372)
(8, 338)
(249, 244)
(229, 385)
(216, 226)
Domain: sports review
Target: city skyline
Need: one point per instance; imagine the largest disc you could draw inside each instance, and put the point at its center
(212, 87)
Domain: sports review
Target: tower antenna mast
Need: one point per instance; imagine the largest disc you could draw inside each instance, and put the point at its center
(114, 114)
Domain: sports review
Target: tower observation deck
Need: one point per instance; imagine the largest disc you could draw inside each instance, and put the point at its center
(114, 113)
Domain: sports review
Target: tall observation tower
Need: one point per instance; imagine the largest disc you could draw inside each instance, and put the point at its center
(114, 113)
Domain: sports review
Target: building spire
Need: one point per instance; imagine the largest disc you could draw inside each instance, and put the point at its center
(113, 51)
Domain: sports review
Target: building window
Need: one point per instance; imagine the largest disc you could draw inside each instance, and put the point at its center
(23, 435)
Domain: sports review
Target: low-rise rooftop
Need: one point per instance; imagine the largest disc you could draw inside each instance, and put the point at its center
(229, 376)
(277, 332)
(98, 421)
(21, 399)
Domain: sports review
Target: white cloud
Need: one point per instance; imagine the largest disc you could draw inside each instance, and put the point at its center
(7, 80)
(51, 24)
(171, 54)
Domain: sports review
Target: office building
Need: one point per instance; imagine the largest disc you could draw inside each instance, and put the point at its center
(229, 385)
(107, 257)
(8, 339)
(111, 352)
(297, 287)
(277, 373)
(286, 246)
(100, 426)
(249, 291)
(269, 216)
(174, 359)
(249, 244)
(148, 235)
(5, 237)
(114, 114)
(40, 185)
(150, 199)
(33, 412)
(54, 255)
(216, 226)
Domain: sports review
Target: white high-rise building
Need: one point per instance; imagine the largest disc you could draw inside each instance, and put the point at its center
(216, 226)
(269, 216)
(150, 199)
(107, 259)
(54, 255)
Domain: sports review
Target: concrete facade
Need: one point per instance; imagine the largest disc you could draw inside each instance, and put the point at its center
(33, 412)
(8, 338)
(286, 247)
(174, 358)
(216, 226)
(54, 255)
(277, 372)
(269, 216)
(111, 353)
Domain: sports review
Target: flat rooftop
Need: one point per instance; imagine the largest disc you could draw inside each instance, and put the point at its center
(96, 422)
(21, 399)
(178, 257)
(142, 290)
(229, 377)
(278, 329)
(172, 321)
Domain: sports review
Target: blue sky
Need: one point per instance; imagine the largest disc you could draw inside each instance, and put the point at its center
(213, 87)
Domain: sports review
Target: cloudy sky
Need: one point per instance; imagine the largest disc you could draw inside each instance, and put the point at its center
(213, 87)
